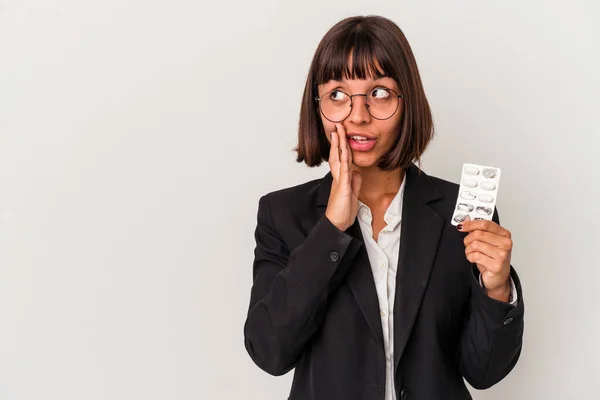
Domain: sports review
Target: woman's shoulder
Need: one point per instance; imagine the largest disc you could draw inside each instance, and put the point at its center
(296, 197)
(293, 209)
(443, 191)
(444, 185)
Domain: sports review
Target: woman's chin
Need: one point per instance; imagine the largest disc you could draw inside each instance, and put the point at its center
(364, 160)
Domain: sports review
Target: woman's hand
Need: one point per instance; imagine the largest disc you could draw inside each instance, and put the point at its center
(342, 206)
(489, 246)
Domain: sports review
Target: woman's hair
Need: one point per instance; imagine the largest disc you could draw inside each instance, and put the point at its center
(371, 40)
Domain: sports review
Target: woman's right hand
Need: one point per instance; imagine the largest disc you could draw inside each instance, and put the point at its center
(342, 206)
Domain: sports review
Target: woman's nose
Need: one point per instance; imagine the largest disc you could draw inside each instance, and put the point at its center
(359, 113)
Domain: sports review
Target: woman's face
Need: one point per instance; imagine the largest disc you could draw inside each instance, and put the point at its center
(383, 132)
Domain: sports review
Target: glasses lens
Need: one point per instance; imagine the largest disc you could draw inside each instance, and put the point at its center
(381, 103)
(335, 105)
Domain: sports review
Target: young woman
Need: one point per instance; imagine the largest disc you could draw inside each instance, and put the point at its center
(361, 282)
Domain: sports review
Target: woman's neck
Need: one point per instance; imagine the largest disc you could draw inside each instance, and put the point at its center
(378, 185)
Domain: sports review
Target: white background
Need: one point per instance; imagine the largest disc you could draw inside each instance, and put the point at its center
(137, 136)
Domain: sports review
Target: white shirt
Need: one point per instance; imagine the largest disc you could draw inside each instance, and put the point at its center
(383, 256)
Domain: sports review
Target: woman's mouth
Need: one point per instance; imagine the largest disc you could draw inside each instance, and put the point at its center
(361, 143)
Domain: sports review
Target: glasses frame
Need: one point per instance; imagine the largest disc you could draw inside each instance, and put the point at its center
(367, 105)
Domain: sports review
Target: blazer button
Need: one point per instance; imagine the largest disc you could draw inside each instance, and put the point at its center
(404, 394)
(507, 321)
(334, 256)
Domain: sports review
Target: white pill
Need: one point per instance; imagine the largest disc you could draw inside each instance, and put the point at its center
(470, 183)
(485, 198)
(487, 185)
(483, 210)
(468, 195)
(490, 173)
(471, 171)
(459, 217)
(465, 207)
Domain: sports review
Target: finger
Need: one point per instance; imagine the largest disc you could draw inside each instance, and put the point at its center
(344, 166)
(350, 158)
(349, 153)
(494, 239)
(484, 263)
(356, 182)
(349, 149)
(334, 156)
(493, 252)
(484, 225)
(479, 266)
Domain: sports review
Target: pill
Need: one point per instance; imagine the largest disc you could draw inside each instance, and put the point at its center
(490, 173)
(487, 185)
(468, 195)
(459, 217)
(470, 183)
(465, 207)
(478, 219)
(471, 171)
(483, 210)
(485, 198)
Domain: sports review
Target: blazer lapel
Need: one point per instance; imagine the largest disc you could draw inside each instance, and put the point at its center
(361, 282)
(420, 233)
(360, 277)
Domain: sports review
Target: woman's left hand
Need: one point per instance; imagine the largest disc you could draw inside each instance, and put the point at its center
(489, 246)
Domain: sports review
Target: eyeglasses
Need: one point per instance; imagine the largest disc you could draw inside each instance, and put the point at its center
(381, 103)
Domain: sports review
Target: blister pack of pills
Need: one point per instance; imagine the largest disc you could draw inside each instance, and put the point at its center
(477, 193)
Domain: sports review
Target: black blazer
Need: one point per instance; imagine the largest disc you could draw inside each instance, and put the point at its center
(314, 307)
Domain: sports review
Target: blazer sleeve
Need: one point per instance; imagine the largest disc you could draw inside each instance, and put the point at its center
(290, 290)
(492, 339)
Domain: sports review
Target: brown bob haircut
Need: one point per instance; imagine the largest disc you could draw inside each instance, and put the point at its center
(371, 40)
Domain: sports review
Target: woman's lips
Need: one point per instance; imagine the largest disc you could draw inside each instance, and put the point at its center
(361, 145)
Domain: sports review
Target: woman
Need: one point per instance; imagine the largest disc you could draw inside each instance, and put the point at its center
(361, 283)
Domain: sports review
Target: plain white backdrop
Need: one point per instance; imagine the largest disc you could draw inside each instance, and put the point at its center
(137, 136)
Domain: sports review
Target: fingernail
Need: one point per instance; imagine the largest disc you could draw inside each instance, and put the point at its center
(459, 227)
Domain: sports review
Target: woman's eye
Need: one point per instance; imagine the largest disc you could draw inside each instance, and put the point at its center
(380, 93)
(337, 95)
